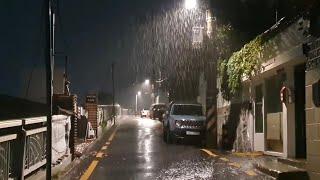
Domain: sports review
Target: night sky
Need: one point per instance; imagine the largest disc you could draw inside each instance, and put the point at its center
(96, 33)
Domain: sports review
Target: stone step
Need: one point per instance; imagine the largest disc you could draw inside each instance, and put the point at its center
(281, 171)
(298, 163)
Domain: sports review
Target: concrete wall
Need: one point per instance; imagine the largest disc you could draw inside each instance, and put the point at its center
(235, 121)
(312, 109)
(313, 126)
(61, 126)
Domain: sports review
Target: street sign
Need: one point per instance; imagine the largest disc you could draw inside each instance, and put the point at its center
(197, 35)
(91, 98)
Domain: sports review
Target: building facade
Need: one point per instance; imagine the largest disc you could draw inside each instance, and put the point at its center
(312, 88)
(269, 114)
(278, 110)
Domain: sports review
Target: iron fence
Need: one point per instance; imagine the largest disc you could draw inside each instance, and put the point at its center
(23, 146)
(6, 156)
(35, 149)
(4, 160)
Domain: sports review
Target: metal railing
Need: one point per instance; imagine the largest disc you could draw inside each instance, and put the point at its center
(5, 157)
(35, 149)
(23, 145)
(7, 140)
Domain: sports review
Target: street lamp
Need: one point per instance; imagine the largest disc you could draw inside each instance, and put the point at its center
(147, 82)
(190, 4)
(138, 94)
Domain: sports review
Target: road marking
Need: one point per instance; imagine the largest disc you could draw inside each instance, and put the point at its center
(251, 173)
(251, 154)
(94, 163)
(89, 171)
(112, 135)
(235, 164)
(99, 155)
(209, 152)
(224, 159)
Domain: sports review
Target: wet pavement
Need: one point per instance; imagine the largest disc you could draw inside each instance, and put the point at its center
(136, 151)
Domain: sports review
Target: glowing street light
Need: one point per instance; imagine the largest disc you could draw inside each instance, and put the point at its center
(190, 4)
(147, 81)
(138, 94)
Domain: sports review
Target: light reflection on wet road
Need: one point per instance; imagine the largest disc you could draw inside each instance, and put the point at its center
(137, 151)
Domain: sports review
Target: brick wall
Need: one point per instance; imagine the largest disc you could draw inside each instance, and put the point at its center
(92, 109)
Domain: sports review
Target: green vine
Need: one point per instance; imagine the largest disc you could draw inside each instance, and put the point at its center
(242, 64)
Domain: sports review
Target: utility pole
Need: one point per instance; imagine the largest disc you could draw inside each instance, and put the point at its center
(49, 59)
(136, 103)
(276, 8)
(113, 94)
(66, 67)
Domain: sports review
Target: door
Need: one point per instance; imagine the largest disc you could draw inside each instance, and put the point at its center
(258, 119)
(274, 113)
(300, 120)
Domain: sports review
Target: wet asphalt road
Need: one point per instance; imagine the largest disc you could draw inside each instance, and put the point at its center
(137, 151)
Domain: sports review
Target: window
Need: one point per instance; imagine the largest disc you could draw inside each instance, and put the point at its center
(192, 110)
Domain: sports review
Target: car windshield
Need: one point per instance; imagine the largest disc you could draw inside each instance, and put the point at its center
(193, 110)
(161, 106)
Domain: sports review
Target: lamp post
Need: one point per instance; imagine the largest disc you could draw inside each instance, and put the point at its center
(147, 82)
(138, 94)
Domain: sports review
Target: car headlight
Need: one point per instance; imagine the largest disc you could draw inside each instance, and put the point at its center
(178, 123)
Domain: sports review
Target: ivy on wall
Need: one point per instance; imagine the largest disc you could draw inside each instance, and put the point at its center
(242, 64)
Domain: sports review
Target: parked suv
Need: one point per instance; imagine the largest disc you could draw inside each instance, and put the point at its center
(157, 111)
(184, 120)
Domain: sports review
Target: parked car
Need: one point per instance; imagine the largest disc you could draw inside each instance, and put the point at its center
(157, 111)
(144, 113)
(183, 120)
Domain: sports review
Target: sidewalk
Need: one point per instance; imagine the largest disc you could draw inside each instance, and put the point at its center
(253, 163)
(68, 169)
(79, 164)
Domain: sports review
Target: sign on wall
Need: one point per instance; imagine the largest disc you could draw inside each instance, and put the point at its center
(91, 98)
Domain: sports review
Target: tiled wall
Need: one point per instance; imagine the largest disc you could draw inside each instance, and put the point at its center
(313, 127)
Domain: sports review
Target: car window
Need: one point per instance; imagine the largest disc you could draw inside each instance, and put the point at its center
(160, 106)
(193, 110)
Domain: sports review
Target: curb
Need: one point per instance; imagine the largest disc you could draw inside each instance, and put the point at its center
(298, 174)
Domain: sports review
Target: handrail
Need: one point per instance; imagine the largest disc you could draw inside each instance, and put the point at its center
(8, 137)
(10, 123)
(29, 143)
(35, 120)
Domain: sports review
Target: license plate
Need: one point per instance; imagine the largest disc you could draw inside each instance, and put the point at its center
(193, 133)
